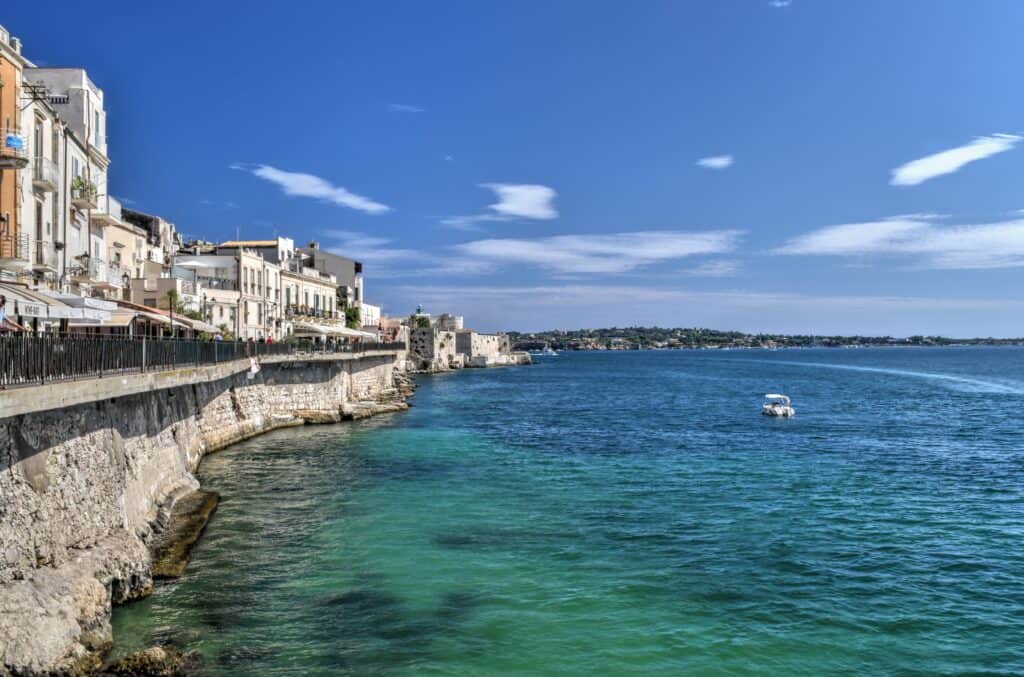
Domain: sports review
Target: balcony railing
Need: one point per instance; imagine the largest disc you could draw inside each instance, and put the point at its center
(107, 211)
(12, 149)
(296, 310)
(32, 359)
(45, 257)
(83, 194)
(45, 176)
(217, 283)
(14, 247)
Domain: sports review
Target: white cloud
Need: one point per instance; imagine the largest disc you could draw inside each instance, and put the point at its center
(715, 268)
(613, 253)
(780, 3)
(515, 201)
(385, 259)
(405, 108)
(527, 201)
(949, 161)
(716, 162)
(308, 185)
(969, 246)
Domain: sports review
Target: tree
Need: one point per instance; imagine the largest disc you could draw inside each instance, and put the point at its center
(352, 317)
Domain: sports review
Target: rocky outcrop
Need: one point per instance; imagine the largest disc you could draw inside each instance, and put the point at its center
(59, 619)
(85, 489)
(157, 661)
(183, 524)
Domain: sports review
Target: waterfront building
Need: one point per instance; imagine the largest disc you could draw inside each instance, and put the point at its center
(162, 237)
(347, 272)
(43, 200)
(14, 245)
(89, 264)
(449, 322)
(481, 349)
(369, 315)
(431, 348)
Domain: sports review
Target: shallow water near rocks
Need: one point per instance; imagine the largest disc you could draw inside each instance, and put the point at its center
(604, 513)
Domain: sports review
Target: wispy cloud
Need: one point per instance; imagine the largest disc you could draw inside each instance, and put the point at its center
(385, 259)
(308, 185)
(515, 201)
(715, 268)
(614, 253)
(968, 246)
(716, 162)
(778, 4)
(405, 108)
(949, 161)
(223, 204)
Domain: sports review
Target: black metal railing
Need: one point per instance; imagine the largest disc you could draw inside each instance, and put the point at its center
(27, 359)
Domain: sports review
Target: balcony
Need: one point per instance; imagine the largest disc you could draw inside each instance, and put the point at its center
(294, 310)
(83, 194)
(107, 211)
(45, 177)
(12, 150)
(45, 258)
(99, 274)
(14, 251)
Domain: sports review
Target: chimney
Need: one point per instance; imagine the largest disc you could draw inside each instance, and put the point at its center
(314, 245)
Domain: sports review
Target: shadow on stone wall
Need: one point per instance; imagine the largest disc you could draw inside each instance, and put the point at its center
(26, 436)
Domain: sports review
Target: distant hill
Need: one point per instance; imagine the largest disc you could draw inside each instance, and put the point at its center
(635, 338)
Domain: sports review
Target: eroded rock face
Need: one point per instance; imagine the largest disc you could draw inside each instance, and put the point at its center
(59, 618)
(83, 489)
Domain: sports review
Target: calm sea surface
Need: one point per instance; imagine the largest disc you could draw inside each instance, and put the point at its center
(621, 513)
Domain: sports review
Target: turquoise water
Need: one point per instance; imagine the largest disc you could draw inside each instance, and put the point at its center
(627, 513)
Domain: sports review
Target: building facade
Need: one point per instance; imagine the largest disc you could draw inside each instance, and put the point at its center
(347, 272)
(14, 245)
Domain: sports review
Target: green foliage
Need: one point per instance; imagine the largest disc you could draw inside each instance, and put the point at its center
(422, 323)
(352, 319)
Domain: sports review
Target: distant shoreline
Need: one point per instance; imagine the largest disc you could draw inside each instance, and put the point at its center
(656, 338)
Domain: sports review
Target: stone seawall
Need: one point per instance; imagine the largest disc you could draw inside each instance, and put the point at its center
(81, 488)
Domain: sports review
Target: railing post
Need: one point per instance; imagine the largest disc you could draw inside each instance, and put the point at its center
(143, 353)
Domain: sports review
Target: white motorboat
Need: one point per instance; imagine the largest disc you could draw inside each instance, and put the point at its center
(777, 405)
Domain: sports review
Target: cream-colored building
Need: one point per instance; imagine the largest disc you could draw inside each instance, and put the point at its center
(256, 281)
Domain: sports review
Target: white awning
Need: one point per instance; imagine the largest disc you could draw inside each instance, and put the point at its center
(24, 302)
(115, 319)
(303, 328)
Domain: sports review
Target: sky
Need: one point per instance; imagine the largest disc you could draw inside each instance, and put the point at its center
(799, 166)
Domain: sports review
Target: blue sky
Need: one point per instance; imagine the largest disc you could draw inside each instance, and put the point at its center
(803, 166)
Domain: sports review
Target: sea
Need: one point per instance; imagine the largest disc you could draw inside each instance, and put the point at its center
(613, 513)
